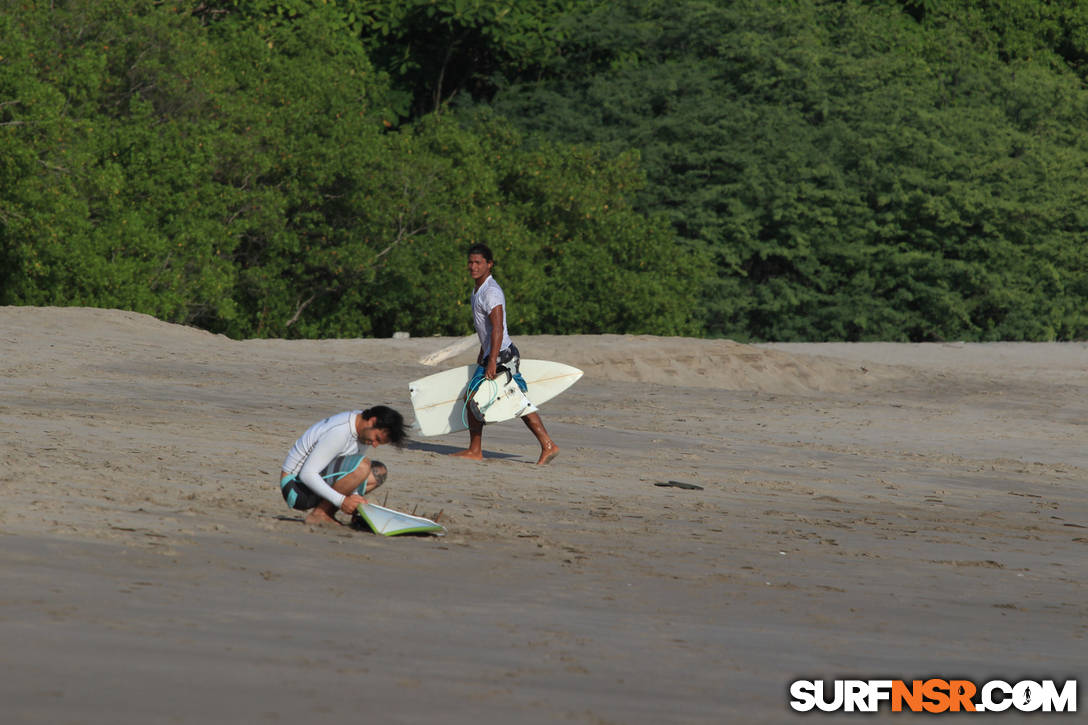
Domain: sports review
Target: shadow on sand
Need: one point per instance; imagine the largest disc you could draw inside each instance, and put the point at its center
(446, 450)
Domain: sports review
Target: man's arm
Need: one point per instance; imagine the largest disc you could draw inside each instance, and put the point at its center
(495, 318)
(322, 455)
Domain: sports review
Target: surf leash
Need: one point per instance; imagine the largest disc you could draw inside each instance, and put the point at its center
(483, 408)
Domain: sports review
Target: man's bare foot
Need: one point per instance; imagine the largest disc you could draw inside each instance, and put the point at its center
(469, 454)
(547, 454)
(317, 516)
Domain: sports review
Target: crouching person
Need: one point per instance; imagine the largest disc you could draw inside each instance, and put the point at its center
(327, 468)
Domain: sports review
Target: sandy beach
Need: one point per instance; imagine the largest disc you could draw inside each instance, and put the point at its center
(866, 510)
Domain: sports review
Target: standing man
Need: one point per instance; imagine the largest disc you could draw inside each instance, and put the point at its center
(496, 350)
(326, 469)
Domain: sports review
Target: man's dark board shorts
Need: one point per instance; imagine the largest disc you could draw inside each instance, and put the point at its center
(299, 496)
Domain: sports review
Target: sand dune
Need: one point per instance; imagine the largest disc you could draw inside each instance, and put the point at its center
(866, 510)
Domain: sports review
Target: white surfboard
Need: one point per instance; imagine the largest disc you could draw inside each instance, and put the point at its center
(439, 400)
(388, 522)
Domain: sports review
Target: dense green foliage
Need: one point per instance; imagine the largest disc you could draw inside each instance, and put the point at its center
(805, 170)
(854, 174)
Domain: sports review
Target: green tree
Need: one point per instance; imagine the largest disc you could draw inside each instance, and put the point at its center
(306, 140)
(1016, 29)
(575, 256)
(105, 163)
(438, 49)
(854, 175)
(809, 170)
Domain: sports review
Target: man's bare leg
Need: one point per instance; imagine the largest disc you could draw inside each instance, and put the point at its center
(548, 449)
(475, 450)
(325, 512)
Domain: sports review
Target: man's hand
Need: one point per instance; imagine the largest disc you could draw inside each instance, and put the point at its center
(490, 370)
(351, 503)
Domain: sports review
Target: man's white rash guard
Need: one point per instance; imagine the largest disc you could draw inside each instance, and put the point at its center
(323, 442)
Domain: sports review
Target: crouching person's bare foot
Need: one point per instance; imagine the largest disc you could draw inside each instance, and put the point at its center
(325, 512)
(317, 516)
